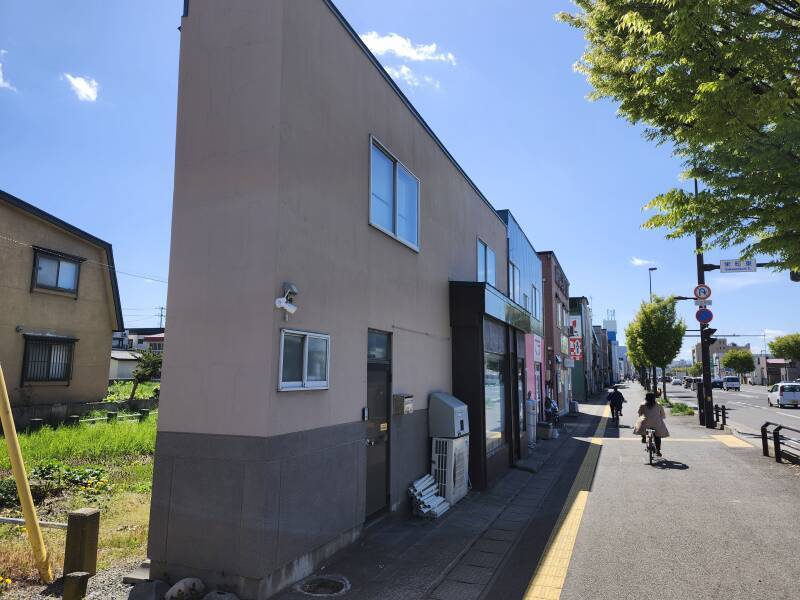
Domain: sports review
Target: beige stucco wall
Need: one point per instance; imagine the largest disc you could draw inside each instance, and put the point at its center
(276, 106)
(90, 317)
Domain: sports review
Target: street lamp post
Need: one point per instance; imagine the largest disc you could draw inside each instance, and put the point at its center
(650, 278)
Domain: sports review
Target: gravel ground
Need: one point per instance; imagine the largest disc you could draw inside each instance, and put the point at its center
(106, 585)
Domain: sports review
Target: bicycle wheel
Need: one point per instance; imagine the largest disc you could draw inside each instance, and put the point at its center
(650, 449)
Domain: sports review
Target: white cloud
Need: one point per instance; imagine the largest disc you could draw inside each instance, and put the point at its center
(5, 84)
(641, 262)
(405, 74)
(771, 334)
(85, 88)
(402, 47)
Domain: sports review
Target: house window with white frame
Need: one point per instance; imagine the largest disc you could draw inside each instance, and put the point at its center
(486, 263)
(304, 360)
(394, 197)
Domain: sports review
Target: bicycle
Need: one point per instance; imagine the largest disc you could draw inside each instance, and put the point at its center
(650, 440)
(615, 412)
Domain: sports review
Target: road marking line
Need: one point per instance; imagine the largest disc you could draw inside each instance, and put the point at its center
(639, 439)
(732, 441)
(551, 572)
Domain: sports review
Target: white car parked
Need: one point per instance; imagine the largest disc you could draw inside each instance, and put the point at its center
(731, 383)
(784, 394)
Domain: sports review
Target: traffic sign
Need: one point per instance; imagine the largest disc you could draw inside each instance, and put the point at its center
(738, 266)
(699, 302)
(704, 315)
(702, 291)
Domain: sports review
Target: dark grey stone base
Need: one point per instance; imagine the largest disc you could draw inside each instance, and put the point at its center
(258, 514)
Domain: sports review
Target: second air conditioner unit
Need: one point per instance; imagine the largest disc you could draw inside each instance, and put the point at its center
(450, 467)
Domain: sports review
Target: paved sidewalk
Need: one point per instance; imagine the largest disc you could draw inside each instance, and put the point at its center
(458, 556)
(713, 519)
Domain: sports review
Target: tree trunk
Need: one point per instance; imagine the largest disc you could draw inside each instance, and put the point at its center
(133, 390)
(655, 379)
(664, 386)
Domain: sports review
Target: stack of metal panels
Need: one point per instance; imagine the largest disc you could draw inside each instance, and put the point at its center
(426, 502)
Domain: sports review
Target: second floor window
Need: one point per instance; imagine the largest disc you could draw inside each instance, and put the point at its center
(486, 264)
(513, 282)
(394, 197)
(54, 271)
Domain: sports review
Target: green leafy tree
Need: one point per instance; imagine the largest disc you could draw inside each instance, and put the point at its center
(148, 366)
(786, 346)
(740, 360)
(695, 370)
(718, 81)
(658, 333)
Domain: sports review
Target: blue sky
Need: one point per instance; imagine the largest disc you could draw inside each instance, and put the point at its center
(87, 116)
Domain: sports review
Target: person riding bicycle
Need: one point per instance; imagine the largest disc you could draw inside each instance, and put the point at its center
(615, 399)
(651, 416)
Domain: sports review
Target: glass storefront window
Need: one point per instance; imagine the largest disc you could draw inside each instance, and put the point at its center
(494, 400)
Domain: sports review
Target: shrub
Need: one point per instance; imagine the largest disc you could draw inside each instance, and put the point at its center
(679, 408)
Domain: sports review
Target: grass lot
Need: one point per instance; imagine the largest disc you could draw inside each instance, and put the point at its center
(105, 465)
(121, 390)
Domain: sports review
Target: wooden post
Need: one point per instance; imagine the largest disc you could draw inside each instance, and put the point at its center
(111, 416)
(83, 530)
(75, 585)
(143, 414)
(73, 420)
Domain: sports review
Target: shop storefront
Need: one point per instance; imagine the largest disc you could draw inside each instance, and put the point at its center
(491, 375)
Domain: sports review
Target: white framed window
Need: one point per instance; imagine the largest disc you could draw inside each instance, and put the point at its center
(305, 360)
(486, 263)
(394, 196)
(55, 271)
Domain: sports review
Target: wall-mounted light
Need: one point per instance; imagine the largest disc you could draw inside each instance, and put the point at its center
(286, 302)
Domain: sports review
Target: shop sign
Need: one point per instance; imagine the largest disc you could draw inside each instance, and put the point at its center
(576, 348)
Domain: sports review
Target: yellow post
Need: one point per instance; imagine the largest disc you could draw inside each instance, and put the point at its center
(23, 489)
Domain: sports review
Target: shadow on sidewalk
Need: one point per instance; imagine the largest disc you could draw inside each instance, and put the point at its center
(670, 464)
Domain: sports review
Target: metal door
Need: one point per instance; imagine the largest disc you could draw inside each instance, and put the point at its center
(379, 381)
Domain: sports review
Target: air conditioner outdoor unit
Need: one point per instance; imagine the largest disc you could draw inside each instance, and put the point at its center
(450, 467)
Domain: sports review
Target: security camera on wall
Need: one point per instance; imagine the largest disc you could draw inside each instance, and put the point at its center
(286, 302)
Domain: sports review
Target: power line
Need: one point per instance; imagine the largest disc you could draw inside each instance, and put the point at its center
(89, 260)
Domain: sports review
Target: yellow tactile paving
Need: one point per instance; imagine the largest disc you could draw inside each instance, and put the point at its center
(551, 572)
(732, 441)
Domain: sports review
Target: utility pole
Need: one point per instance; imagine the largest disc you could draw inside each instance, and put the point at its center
(705, 401)
(161, 310)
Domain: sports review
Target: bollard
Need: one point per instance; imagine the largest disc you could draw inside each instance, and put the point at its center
(72, 420)
(75, 585)
(724, 416)
(35, 424)
(143, 414)
(764, 442)
(776, 438)
(111, 416)
(83, 529)
(716, 413)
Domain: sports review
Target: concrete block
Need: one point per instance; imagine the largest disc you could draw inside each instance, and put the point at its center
(83, 529)
(149, 590)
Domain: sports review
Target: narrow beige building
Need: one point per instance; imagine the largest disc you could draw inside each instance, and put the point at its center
(321, 236)
(59, 304)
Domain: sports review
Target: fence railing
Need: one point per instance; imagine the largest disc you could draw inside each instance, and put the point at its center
(780, 441)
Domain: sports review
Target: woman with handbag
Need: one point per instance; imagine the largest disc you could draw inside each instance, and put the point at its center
(651, 416)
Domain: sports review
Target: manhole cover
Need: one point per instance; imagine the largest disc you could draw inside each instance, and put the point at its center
(329, 585)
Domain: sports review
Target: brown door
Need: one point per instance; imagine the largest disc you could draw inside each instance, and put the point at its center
(379, 383)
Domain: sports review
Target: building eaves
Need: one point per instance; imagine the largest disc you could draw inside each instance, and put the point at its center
(56, 222)
(360, 43)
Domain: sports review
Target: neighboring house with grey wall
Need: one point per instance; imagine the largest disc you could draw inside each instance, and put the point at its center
(339, 257)
(58, 308)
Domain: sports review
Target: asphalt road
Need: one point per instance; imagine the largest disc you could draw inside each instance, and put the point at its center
(747, 409)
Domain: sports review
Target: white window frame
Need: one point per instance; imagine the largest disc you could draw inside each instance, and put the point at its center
(293, 386)
(373, 141)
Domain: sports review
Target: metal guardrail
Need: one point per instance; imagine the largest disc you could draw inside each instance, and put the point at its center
(721, 409)
(21, 522)
(778, 439)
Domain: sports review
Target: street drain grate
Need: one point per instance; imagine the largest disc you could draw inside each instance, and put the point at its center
(328, 585)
